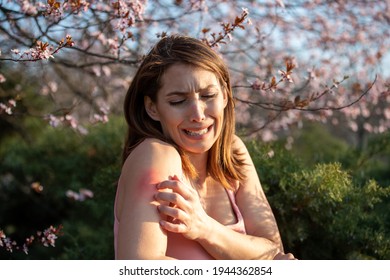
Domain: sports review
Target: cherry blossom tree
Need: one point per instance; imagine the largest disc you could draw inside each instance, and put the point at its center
(290, 60)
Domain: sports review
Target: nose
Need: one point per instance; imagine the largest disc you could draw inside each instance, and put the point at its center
(197, 111)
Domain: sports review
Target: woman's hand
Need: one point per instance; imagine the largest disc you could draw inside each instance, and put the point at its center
(182, 208)
(283, 256)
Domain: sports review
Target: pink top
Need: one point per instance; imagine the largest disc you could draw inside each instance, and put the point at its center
(182, 248)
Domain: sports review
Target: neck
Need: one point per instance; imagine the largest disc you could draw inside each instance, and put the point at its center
(199, 161)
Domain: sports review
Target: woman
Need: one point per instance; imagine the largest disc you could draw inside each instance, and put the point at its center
(188, 187)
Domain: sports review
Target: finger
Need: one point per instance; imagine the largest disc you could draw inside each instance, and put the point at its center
(168, 197)
(173, 212)
(282, 256)
(171, 198)
(177, 186)
(168, 184)
(173, 227)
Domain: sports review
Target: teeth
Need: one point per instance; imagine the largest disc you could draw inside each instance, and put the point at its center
(196, 133)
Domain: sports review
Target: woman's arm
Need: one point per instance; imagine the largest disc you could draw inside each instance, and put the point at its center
(255, 209)
(139, 234)
(262, 240)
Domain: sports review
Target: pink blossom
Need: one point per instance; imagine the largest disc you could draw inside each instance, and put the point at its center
(368, 127)
(113, 45)
(8, 107)
(199, 5)
(2, 78)
(53, 11)
(286, 76)
(70, 120)
(257, 85)
(353, 126)
(102, 116)
(48, 237)
(280, 3)
(45, 238)
(96, 70)
(128, 11)
(54, 121)
(28, 8)
(76, 6)
(106, 70)
(386, 113)
(267, 135)
(80, 196)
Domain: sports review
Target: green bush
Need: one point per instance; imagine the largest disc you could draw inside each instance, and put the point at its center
(61, 160)
(321, 212)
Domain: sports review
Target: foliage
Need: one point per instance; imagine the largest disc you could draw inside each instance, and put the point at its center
(63, 164)
(321, 211)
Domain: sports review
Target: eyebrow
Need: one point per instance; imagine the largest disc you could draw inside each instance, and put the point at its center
(177, 93)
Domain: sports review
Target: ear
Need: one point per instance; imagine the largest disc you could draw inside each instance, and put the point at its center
(151, 109)
(225, 98)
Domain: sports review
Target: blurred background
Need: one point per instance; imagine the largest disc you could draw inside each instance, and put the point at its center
(311, 81)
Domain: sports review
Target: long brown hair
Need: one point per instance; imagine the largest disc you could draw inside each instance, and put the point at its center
(224, 164)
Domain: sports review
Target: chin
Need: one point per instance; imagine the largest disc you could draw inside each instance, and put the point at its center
(197, 150)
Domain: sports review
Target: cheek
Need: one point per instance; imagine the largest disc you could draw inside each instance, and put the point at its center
(217, 110)
(171, 121)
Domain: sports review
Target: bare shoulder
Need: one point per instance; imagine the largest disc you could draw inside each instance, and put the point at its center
(237, 143)
(153, 153)
(153, 146)
(150, 163)
(240, 149)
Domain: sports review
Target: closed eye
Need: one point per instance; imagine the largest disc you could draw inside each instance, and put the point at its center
(209, 95)
(175, 103)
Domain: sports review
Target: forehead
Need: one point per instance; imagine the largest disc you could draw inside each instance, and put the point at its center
(187, 78)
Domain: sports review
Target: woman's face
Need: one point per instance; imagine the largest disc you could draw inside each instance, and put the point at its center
(190, 107)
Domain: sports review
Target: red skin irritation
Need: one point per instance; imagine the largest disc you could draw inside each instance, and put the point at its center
(146, 185)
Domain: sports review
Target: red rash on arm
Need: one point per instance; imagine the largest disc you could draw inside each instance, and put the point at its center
(147, 181)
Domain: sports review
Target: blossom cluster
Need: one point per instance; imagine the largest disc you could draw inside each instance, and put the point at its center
(273, 84)
(227, 29)
(102, 116)
(128, 12)
(52, 9)
(82, 195)
(68, 120)
(43, 50)
(7, 107)
(46, 238)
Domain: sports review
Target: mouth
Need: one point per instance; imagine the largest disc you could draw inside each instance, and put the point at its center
(199, 132)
